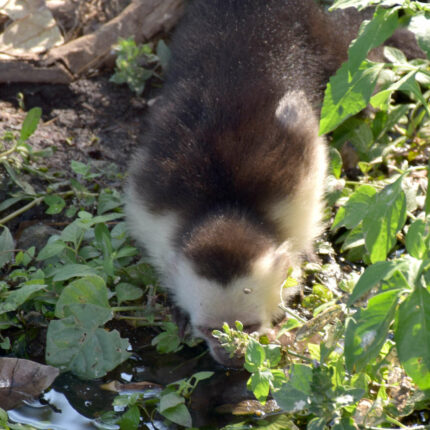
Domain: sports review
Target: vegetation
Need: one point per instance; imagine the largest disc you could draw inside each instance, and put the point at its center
(366, 360)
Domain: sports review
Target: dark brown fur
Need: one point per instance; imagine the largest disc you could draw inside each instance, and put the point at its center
(214, 141)
(231, 145)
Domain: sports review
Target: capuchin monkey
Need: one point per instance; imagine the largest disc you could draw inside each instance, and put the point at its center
(226, 191)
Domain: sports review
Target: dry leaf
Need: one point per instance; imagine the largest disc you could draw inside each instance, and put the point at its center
(32, 31)
(23, 380)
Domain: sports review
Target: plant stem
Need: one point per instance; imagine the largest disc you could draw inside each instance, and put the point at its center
(25, 208)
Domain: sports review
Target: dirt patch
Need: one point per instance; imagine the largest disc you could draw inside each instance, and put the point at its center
(91, 120)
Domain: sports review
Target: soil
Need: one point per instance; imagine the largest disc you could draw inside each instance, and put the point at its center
(89, 120)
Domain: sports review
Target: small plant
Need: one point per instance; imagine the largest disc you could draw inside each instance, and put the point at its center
(170, 403)
(137, 63)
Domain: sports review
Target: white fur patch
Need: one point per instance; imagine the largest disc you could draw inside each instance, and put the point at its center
(251, 299)
(299, 216)
(154, 232)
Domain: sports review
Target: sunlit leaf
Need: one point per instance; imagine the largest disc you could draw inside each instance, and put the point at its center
(412, 336)
(385, 218)
(367, 330)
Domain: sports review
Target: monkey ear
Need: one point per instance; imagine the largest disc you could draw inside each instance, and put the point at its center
(295, 114)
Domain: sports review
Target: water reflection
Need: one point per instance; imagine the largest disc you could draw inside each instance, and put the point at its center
(59, 416)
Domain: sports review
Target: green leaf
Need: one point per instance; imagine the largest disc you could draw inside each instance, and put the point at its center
(367, 330)
(355, 208)
(80, 168)
(394, 55)
(130, 419)
(259, 384)
(372, 276)
(273, 354)
(416, 239)
(359, 4)
(407, 84)
(90, 289)
(168, 341)
(55, 203)
(346, 94)
(17, 297)
(254, 356)
(372, 34)
(420, 25)
(7, 247)
(68, 271)
(51, 249)
(335, 162)
(170, 400)
(316, 424)
(295, 394)
(103, 240)
(79, 345)
(412, 336)
(126, 292)
(30, 123)
(178, 415)
(173, 408)
(346, 423)
(386, 216)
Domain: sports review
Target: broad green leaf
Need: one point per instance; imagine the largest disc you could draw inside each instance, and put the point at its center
(371, 277)
(178, 415)
(68, 271)
(372, 34)
(30, 122)
(107, 202)
(355, 208)
(80, 168)
(51, 249)
(168, 341)
(7, 247)
(295, 394)
(420, 25)
(416, 239)
(55, 203)
(386, 216)
(130, 420)
(201, 376)
(273, 354)
(90, 289)
(394, 55)
(125, 292)
(412, 336)
(367, 330)
(254, 356)
(102, 236)
(346, 94)
(17, 297)
(79, 345)
(259, 384)
(74, 232)
(170, 400)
